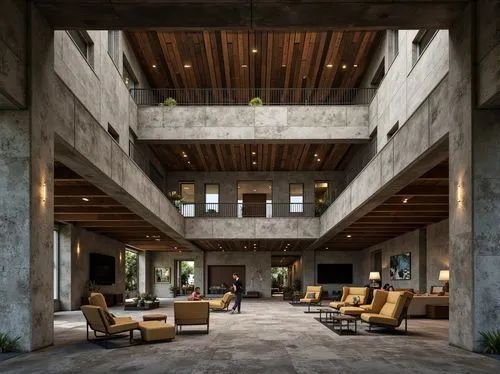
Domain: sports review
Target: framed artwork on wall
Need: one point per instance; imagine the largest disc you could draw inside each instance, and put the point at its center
(162, 275)
(401, 266)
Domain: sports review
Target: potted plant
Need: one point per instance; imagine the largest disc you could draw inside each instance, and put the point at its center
(256, 101)
(8, 344)
(175, 198)
(169, 101)
(175, 290)
(490, 342)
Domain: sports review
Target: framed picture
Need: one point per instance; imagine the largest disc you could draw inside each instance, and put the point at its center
(162, 275)
(401, 266)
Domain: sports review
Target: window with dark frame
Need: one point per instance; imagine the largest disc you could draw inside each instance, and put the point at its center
(393, 130)
(211, 198)
(114, 134)
(114, 45)
(129, 77)
(84, 44)
(379, 74)
(421, 42)
(187, 194)
(296, 197)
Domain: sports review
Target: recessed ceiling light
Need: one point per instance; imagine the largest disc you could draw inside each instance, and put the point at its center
(154, 66)
(85, 199)
(355, 65)
(344, 66)
(254, 190)
(329, 65)
(245, 247)
(349, 236)
(253, 153)
(284, 250)
(189, 162)
(254, 162)
(254, 50)
(304, 77)
(318, 160)
(157, 240)
(315, 155)
(244, 66)
(184, 155)
(405, 201)
(187, 66)
(147, 236)
(283, 65)
(175, 247)
(326, 247)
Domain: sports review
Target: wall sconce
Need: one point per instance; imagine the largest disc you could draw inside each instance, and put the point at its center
(120, 257)
(44, 192)
(460, 193)
(78, 248)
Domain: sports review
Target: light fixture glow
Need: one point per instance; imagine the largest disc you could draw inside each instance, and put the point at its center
(254, 162)
(44, 192)
(344, 66)
(405, 200)
(157, 240)
(326, 247)
(85, 199)
(154, 66)
(253, 153)
(318, 160)
(349, 236)
(244, 66)
(189, 162)
(355, 65)
(460, 193)
(78, 248)
(254, 50)
(184, 155)
(245, 247)
(329, 65)
(284, 250)
(315, 155)
(283, 65)
(187, 66)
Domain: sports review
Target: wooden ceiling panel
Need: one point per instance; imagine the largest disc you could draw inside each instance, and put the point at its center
(241, 157)
(226, 59)
(272, 245)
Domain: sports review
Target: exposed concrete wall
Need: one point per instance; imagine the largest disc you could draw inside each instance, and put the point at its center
(145, 272)
(266, 123)
(13, 54)
(359, 276)
(362, 156)
(405, 157)
(406, 85)
(257, 268)
(252, 228)
(438, 248)
(76, 246)
(167, 259)
(280, 181)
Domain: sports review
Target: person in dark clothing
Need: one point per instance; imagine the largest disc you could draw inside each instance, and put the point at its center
(237, 289)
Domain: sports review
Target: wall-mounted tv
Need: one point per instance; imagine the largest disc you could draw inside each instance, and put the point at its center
(102, 269)
(334, 273)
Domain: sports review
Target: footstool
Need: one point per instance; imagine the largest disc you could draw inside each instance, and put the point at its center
(152, 331)
(155, 317)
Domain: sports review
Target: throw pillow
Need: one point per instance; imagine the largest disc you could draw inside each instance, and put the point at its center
(109, 317)
(310, 295)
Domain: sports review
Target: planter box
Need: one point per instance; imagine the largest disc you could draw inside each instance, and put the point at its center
(147, 306)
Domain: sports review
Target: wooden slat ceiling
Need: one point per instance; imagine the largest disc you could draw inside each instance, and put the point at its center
(252, 157)
(421, 203)
(103, 215)
(272, 245)
(224, 59)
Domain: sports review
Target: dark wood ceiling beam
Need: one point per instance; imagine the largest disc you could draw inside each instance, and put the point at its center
(423, 190)
(72, 191)
(111, 224)
(411, 208)
(70, 217)
(77, 201)
(92, 210)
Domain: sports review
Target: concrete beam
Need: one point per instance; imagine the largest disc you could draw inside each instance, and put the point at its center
(244, 14)
(342, 123)
(252, 228)
(419, 145)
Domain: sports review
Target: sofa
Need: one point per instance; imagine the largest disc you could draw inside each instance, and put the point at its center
(191, 313)
(417, 306)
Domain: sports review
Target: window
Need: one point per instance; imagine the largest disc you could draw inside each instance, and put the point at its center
(84, 44)
(395, 42)
(156, 176)
(128, 75)
(187, 194)
(56, 263)
(114, 45)
(211, 198)
(296, 198)
(421, 41)
(379, 74)
(393, 130)
(114, 134)
(131, 270)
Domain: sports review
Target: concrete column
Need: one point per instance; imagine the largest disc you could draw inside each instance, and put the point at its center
(142, 272)
(308, 269)
(474, 192)
(26, 199)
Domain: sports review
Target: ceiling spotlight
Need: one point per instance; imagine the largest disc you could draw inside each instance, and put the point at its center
(187, 66)
(154, 66)
(254, 50)
(245, 247)
(284, 250)
(355, 65)
(326, 247)
(189, 162)
(304, 77)
(405, 201)
(348, 236)
(344, 66)
(315, 155)
(254, 162)
(175, 247)
(85, 199)
(329, 65)
(157, 240)
(147, 236)
(318, 160)
(184, 155)
(283, 65)
(244, 66)
(254, 190)
(253, 153)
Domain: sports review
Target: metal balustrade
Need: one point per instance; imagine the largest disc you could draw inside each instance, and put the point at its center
(242, 96)
(242, 210)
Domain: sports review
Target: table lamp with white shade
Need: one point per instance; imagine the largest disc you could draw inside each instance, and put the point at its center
(374, 277)
(444, 275)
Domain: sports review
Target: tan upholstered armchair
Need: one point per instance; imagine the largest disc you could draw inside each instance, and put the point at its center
(189, 313)
(378, 301)
(312, 296)
(348, 294)
(392, 313)
(102, 322)
(222, 303)
(97, 299)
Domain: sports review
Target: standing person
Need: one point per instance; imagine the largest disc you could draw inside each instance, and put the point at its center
(238, 291)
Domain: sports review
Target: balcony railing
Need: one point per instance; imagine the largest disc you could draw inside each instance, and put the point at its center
(242, 96)
(242, 210)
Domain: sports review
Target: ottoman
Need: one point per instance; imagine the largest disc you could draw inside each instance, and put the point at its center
(152, 331)
(155, 317)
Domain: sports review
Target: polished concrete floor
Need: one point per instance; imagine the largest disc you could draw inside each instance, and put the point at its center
(269, 336)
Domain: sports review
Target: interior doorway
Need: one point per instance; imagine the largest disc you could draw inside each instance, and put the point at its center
(184, 276)
(280, 279)
(255, 198)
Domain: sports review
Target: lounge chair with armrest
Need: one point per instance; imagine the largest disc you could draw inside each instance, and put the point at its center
(392, 313)
(378, 301)
(222, 303)
(97, 299)
(312, 296)
(348, 295)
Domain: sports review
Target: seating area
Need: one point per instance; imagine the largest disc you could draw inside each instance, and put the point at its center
(351, 296)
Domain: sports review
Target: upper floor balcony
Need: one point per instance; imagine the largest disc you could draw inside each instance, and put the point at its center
(222, 115)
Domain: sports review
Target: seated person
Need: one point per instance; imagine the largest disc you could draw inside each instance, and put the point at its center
(196, 295)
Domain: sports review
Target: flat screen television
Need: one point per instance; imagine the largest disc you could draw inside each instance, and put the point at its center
(102, 269)
(334, 273)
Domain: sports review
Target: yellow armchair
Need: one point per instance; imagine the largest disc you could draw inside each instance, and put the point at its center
(97, 299)
(378, 301)
(222, 303)
(312, 296)
(348, 294)
(392, 313)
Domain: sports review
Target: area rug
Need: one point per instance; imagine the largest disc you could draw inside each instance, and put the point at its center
(362, 330)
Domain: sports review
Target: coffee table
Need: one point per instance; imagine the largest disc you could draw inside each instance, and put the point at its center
(339, 320)
(328, 312)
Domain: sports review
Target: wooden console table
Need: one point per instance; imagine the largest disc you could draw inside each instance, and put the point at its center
(437, 311)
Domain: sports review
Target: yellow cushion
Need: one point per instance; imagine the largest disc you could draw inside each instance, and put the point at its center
(156, 330)
(310, 295)
(379, 299)
(98, 299)
(122, 327)
(379, 319)
(352, 310)
(337, 304)
(108, 317)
